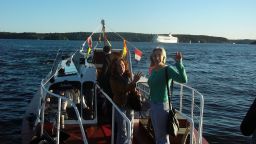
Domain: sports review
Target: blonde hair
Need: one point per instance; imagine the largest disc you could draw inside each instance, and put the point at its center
(163, 53)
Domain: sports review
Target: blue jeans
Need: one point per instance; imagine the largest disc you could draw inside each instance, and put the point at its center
(121, 137)
(159, 118)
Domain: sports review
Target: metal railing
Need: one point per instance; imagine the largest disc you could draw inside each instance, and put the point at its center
(195, 96)
(115, 108)
(186, 95)
(45, 92)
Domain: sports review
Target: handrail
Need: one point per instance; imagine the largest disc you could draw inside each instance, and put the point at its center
(55, 63)
(144, 89)
(114, 106)
(201, 97)
(72, 104)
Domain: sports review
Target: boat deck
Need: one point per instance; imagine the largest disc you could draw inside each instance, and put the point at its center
(101, 133)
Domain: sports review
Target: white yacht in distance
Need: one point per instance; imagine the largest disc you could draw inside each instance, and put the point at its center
(165, 39)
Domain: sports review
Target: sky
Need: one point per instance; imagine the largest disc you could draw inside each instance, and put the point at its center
(232, 19)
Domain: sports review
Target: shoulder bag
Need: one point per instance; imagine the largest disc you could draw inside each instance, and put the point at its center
(173, 123)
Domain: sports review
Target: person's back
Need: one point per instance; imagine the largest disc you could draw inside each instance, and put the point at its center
(106, 65)
(104, 106)
(105, 72)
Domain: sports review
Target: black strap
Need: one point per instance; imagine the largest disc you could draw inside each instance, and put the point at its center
(168, 90)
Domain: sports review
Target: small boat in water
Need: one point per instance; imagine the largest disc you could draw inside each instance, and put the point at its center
(165, 39)
(73, 81)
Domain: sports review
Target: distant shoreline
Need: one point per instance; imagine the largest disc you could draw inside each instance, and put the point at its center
(135, 37)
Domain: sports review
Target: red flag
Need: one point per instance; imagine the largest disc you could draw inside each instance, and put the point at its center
(138, 54)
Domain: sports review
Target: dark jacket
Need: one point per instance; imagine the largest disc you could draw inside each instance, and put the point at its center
(121, 86)
(105, 74)
(106, 65)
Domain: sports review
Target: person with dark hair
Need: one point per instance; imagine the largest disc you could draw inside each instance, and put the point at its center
(107, 49)
(121, 84)
(105, 71)
(158, 91)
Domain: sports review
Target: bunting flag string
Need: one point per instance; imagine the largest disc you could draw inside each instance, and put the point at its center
(109, 43)
(137, 53)
(83, 45)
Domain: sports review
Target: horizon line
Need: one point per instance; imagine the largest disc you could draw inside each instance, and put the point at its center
(134, 32)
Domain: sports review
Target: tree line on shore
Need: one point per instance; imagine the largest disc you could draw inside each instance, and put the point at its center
(136, 37)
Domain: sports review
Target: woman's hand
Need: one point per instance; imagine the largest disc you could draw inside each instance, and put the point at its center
(178, 56)
(136, 77)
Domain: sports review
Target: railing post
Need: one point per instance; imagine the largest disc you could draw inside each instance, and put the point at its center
(192, 104)
(96, 103)
(113, 124)
(181, 97)
(129, 132)
(192, 132)
(42, 111)
(200, 129)
(58, 121)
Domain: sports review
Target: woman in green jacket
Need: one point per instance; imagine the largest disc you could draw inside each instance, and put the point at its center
(158, 91)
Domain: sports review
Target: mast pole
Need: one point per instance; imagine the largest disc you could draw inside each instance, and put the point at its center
(103, 31)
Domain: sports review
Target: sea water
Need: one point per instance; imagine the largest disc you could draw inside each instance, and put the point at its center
(223, 73)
